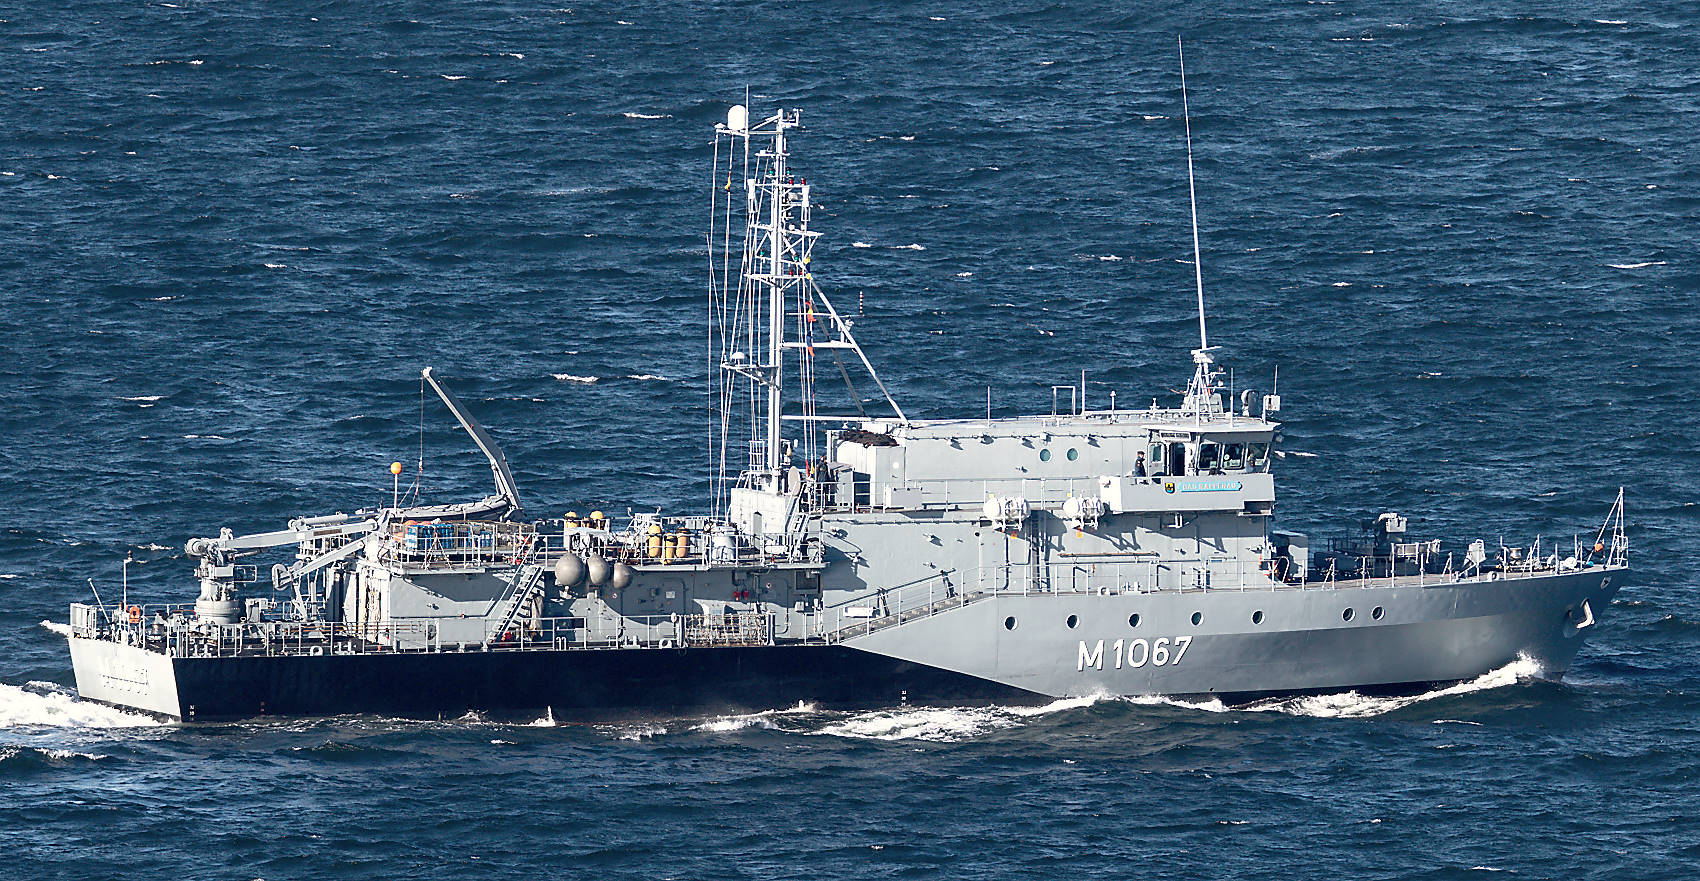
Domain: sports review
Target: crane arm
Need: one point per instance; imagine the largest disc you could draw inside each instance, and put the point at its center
(505, 487)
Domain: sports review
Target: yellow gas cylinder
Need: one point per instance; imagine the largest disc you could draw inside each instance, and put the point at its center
(572, 518)
(681, 544)
(597, 520)
(657, 542)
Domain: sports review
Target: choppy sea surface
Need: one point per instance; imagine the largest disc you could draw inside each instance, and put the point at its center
(232, 233)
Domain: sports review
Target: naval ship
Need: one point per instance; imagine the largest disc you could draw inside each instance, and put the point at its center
(857, 558)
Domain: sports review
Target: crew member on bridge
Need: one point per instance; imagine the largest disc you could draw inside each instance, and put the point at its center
(1139, 465)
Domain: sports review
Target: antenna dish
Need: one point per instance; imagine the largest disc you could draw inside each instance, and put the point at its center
(738, 119)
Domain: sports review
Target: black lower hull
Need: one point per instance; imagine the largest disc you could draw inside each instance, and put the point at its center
(574, 684)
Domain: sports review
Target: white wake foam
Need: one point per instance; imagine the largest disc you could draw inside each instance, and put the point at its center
(61, 629)
(8, 752)
(43, 704)
(1351, 705)
(762, 720)
(568, 377)
(636, 732)
(944, 724)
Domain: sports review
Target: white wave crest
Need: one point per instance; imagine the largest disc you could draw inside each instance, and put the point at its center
(8, 752)
(646, 377)
(1351, 705)
(568, 377)
(140, 397)
(45, 705)
(61, 629)
(637, 732)
(629, 115)
(1636, 265)
(763, 720)
(1214, 705)
(909, 247)
(736, 723)
(944, 724)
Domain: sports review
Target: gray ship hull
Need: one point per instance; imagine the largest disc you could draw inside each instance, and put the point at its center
(1230, 643)
(1301, 643)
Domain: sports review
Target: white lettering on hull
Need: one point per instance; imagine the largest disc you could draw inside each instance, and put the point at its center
(1160, 652)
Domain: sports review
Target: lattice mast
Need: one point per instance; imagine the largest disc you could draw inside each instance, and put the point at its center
(749, 310)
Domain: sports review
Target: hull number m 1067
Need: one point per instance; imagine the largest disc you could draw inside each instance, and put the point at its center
(1134, 653)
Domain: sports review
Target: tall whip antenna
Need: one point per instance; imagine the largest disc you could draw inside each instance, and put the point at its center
(1192, 196)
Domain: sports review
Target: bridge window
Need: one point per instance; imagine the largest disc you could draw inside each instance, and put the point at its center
(1257, 456)
(1233, 457)
(1209, 459)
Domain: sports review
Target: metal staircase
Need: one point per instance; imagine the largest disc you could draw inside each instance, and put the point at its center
(901, 605)
(527, 581)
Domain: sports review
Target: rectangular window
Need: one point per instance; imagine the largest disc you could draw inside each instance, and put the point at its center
(1233, 457)
(1209, 459)
(1257, 456)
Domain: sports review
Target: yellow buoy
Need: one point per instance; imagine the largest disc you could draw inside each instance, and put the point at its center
(395, 467)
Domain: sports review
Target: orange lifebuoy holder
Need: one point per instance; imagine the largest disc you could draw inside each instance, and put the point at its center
(135, 614)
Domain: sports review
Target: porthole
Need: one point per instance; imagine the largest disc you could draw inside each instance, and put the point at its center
(1197, 618)
(1073, 620)
(1257, 617)
(1346, 615)
(1073, 454)
(1044, 455)
(1376, 614)
(1133, 620)
(1009, 623)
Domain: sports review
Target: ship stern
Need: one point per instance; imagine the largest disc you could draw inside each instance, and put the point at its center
(124, 675)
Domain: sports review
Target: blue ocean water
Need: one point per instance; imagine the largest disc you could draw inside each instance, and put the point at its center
(231, 234)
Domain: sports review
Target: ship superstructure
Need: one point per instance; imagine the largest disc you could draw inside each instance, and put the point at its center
(851, 555)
